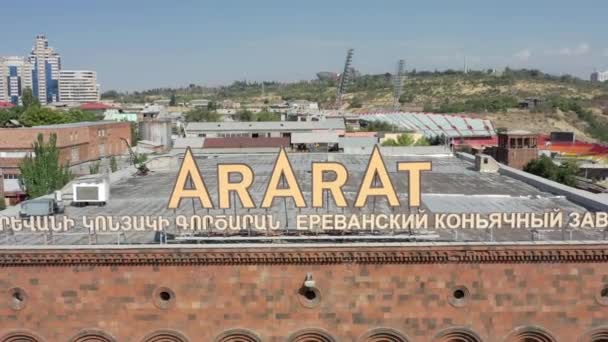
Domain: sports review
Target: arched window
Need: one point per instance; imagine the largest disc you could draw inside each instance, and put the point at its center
(596, 335)
(457, 335)
(311, 335)
(21, 336)
(383, 335)
(165, 336)
(238, 335)
(530, 334)
(91, 335)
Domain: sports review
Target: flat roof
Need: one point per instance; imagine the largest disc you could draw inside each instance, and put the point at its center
(337, 124)
(453, 186)
(76, 124)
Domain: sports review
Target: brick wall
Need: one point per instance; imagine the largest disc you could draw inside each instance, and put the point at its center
(416, 300)
(87, 139)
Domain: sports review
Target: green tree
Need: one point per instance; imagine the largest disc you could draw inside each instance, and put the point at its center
(422, 142)
(406, 98)
(202, 115)
(2, 202)
(211, 106)
(110, 95)
(37, 116)
(545, 167)
(6, 115)
(173, 100)
(380, 126)
(42, 173)
(402, 140)
(267, 116)
(77, 115)
(134, 134)
(94, 168)
(245, 115)
(113, 164)
(356, 103)
(28, 99)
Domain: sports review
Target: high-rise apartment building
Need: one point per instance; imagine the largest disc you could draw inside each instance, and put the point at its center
(15, 77)
(599, 76)
(78, 86)
(46, 66)
(40, 72)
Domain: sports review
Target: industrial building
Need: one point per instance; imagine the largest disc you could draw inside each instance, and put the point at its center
(428, 284)
(256, 129)
(434, 125)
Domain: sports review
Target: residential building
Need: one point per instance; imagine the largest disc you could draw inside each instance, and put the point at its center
(77, 143)
(303, 106)
(78, 86)
(199, 103)
(113, 114)
(41, 72)
(46, 66)
(15, 77)
(599, 76)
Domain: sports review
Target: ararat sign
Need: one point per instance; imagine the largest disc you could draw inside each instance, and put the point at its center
(283, 183)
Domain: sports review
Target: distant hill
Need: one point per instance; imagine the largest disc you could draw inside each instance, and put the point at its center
(566, 102)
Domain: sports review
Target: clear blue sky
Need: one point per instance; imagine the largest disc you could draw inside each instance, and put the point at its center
(135, 44)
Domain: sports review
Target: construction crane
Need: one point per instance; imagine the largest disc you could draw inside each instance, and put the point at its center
(345, 77)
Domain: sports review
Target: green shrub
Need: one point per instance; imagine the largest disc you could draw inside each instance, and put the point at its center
(94, 168)
(113, 164)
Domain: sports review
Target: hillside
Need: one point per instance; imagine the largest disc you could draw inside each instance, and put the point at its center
(568, 103)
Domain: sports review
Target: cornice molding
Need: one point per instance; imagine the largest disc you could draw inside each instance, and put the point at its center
(310, 255)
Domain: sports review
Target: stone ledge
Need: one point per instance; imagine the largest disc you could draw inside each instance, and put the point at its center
(327, 255)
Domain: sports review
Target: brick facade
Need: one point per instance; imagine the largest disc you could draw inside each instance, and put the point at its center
(77, 143)
(92, 140)
(516, 149)
(389, 294)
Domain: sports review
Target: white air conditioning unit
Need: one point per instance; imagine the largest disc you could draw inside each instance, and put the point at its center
(91, 190)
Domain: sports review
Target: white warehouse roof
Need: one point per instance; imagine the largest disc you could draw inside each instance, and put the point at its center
(432, 125)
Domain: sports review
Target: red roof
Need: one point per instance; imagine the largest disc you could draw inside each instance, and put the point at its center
(6, 105)
(95, 106)
(244, 142)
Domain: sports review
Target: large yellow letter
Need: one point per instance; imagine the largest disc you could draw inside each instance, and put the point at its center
(189, 169)
(319, 185)
(376, 169)
(224, 186)
(282, 167)
(414, 169)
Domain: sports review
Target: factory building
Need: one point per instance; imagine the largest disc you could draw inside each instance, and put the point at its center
(257, 129)
(425, 284)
